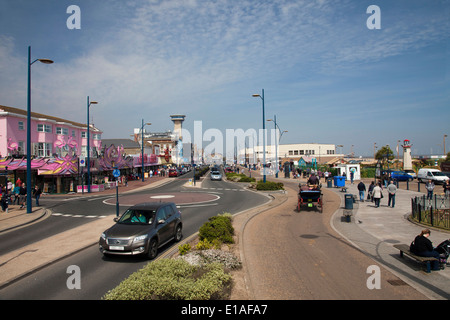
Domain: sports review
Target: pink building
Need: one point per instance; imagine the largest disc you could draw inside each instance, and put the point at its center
(56, 146)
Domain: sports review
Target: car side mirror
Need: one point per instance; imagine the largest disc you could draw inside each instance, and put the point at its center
(161, 221)
(116, 219)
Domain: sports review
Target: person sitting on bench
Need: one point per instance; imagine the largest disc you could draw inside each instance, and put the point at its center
(422, 246)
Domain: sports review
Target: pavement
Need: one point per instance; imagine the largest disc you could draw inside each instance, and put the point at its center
(373, 230)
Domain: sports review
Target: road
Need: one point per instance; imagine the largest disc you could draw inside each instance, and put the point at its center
(100, 274)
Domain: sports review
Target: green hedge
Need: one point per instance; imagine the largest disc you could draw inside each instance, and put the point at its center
(174, 279)
(269, 185)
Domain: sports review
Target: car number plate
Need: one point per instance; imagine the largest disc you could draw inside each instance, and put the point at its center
(116, 248)
(310, 205)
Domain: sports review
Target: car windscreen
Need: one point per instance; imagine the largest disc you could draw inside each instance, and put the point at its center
(438, 174)
(137, 216)
(215, 172)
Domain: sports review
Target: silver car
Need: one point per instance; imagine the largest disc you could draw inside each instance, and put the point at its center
(216, 175)
(142, 229)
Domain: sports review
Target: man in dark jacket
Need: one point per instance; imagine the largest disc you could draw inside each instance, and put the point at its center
(362, 189)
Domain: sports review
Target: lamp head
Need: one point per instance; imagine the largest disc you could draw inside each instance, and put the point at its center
(46, 61)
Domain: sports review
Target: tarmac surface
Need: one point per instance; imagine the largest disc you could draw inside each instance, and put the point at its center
(371, 230)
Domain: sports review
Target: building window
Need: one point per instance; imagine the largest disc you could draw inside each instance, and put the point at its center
(295, 152)
(302, 151)
(83, 134)
(73, 134)
(21, 147)
(63, 131)
(97, 136)
(44, 128)
(21, 126)
(43, 149)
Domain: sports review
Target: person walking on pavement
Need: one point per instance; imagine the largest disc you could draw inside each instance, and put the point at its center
(377, 195)
(362, 189)
(37, 194)
(16, 194)
(446, 186)
(370, 192)
(392, 189)
(5, 200)
(430, 187)
(22, 195)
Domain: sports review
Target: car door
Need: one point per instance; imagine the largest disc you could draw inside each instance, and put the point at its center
(163, 227)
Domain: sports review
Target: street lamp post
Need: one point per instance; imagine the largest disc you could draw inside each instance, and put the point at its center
(445, 136)
(46, 61)
(264, 133)
(276, 142)
(89, 146)
(142, 147)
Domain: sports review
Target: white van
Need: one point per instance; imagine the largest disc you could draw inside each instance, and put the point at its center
(434, 175)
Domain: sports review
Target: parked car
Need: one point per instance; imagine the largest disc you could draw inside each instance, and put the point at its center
(434, 175)
(142, 229)
(412, 173)
(401, 176)
(173, 173)
(216, 175)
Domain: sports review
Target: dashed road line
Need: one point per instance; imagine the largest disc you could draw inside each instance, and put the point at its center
(56, 214)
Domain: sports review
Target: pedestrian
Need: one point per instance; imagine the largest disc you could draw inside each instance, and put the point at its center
(446, 186)
(377, 195)
(352, 175)
(5, 200)
(37, 194)
(22, 195)
(16, 194)
(422, 246)
(392, 189)
(430, 187)
(370, 191)
(362, 189)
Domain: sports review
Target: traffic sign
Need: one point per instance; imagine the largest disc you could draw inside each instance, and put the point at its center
(116, 173)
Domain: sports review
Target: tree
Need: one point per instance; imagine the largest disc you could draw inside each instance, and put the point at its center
(385, 153)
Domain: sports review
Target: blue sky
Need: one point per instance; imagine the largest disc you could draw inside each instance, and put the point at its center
(326, 76)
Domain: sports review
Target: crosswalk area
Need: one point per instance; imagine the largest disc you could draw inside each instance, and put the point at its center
(55, 214)
(224, 189)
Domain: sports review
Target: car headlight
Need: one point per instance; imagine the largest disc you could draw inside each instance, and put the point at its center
(140, 238)
(103, 236)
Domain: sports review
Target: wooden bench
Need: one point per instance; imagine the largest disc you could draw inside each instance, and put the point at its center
(404, 249)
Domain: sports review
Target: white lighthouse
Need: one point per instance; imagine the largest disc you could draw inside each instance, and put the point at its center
(407, 161)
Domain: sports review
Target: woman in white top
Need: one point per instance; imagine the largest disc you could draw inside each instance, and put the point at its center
(377, 194)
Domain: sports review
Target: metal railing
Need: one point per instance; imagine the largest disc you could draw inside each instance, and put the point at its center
(434, 212)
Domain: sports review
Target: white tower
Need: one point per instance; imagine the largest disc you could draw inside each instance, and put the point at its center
(407, 161)
(178, 125)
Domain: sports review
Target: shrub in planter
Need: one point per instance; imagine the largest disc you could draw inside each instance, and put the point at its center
(174, 279)
(269, 185)
(218, 227)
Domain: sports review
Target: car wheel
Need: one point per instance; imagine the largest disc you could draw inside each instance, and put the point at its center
(178, 233)
(152, 249)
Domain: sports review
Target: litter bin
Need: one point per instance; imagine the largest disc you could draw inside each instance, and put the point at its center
(348, 201)
(339, 181)
(329, 183)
